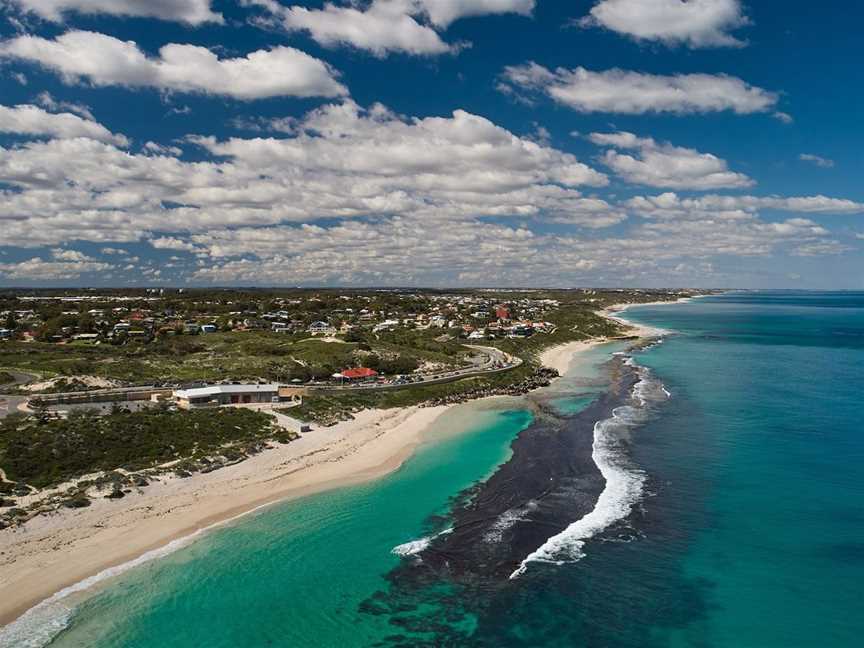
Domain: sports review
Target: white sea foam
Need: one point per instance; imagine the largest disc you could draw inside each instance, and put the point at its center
(414, 547)
(506, 520)
(624, 482)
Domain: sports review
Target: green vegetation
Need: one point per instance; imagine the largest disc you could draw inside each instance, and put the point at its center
(158, 344)
(44, 452)
(247, 355)
(333, 407)
(6, 378)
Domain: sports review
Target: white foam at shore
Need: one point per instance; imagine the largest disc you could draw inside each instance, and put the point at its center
(41, 623)
(624, 483)
(414, 547)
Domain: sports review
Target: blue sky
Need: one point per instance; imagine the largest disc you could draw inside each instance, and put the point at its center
(708, 143)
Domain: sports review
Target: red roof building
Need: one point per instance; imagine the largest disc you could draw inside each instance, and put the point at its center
(359, 373)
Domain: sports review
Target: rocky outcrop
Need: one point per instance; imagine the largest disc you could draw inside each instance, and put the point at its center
(542, 377)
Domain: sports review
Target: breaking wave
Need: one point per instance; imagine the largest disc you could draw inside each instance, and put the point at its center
(414, 547)
(507, 519)
(624, 482)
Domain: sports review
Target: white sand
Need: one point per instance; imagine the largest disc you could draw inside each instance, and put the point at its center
(89, 381)
(562, 356)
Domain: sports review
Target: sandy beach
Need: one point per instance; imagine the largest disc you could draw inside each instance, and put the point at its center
(562, 356)
(51, 553)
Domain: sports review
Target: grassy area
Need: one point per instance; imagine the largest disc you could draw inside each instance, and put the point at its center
(45, 452)
(221, 356)
(572, 323)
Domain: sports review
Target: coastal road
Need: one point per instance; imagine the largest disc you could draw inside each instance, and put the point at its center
(493, 361)
(487, 360)
(9, 404)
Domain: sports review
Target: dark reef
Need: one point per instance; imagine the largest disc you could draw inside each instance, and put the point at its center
(549, 482)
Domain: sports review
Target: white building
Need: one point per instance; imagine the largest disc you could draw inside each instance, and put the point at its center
(216, 395)
(321, 328)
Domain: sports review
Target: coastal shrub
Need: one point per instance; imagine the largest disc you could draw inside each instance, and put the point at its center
(51, 451)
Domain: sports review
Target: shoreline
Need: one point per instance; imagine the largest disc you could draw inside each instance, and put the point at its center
(614, 312)
(562, 356)
(36, 565)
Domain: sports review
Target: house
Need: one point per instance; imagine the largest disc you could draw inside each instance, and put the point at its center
(502, 312)
(253, 324)
(386, 325)
(209, 328)
(521, 331)
(359, 373)
(5, 334)
(321, 328)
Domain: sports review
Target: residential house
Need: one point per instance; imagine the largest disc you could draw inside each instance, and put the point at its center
(321, 328)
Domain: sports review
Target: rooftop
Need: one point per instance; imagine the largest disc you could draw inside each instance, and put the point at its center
(213, 390)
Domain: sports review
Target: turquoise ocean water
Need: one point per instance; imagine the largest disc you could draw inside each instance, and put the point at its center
(750, 530)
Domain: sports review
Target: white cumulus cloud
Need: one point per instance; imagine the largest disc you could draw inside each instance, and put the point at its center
(193, 12)
(385, 26)
(342, 162)
(30, 120)
(107, 61)
(444, 12)
(663, 165)
(37, 269)
(635, 93)
(695, 23)
(670, 206)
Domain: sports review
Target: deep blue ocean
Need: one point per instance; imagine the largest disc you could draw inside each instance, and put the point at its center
(748, 532)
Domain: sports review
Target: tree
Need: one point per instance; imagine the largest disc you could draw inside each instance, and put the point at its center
(354, 335)
(49, 329)
(11, 322)
(86, 323)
